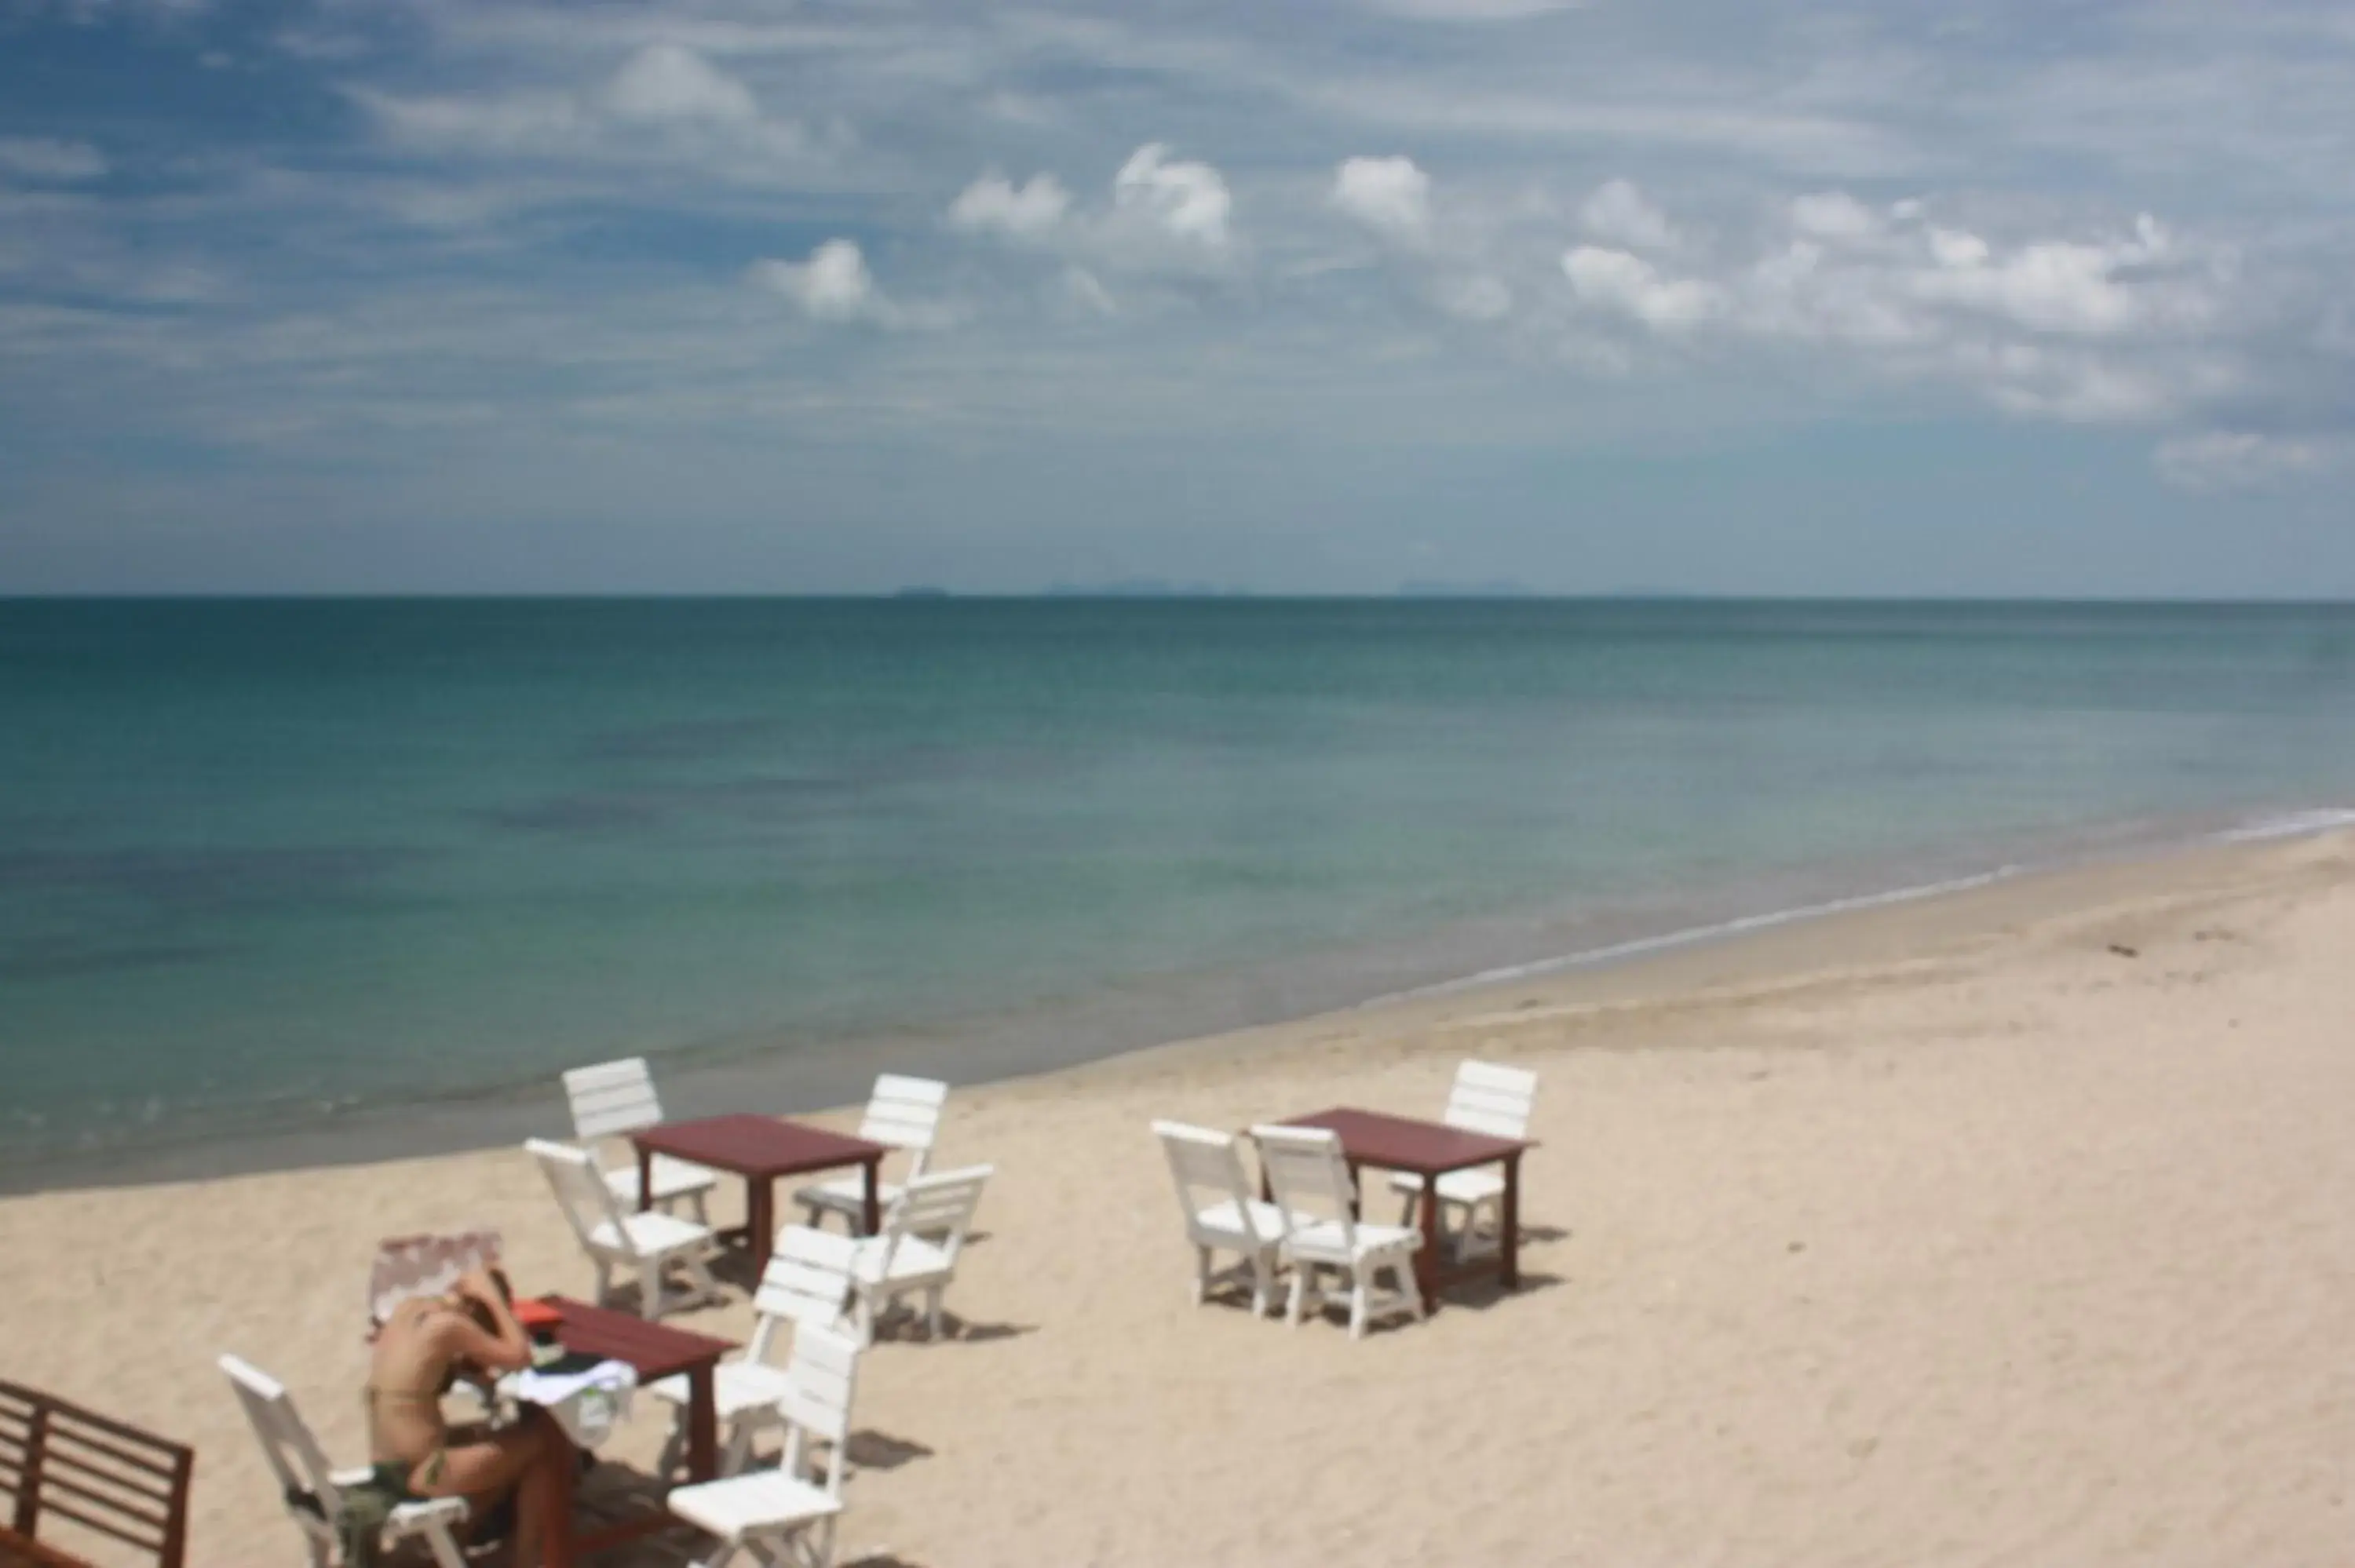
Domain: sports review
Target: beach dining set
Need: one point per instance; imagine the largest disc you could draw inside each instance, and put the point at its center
(1298, 1236)
(1459, 1181)
(830, 1292)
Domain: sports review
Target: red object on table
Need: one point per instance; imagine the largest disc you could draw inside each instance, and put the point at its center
(760, 1149)
(1429, 1149)
(534, 1314)
(653, 1352)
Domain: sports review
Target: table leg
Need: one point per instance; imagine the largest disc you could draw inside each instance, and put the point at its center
(702, 1426)
(555, 1517)
(760, 1223)
(645, 1178)
(1509, 1242)
(1427, 1261)
(871, 1210)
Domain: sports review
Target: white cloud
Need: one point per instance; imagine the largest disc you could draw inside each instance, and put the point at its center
(45, 158)
(1475, 298)
(670, 84)
(2237, 459)
(1082, 289)
(666, 105)
(1029, 211)
(1389, 195)
(1834, 216)
(1621, 213)
(2059, 286)
(1186, 200)
(833, 285)
(1624, 282)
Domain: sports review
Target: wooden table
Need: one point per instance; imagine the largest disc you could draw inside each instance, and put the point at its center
(653, 1352)
(1429, 1149)
(760, 1149)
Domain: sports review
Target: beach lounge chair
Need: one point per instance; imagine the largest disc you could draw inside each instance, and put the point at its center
(922, 1236)
(1322, 1234)
(786, 1514)
(614, 1099)
(648, 1242)
(1221, 1215)
(903, 1112)
(317, 1497)
(1485, 1098)
(806, 1286)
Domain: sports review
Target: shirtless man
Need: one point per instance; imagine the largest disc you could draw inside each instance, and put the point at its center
(424, 1345)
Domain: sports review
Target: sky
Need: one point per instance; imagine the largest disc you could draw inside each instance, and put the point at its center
(1289, 296)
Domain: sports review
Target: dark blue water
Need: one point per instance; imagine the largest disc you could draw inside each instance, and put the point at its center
(262, 860)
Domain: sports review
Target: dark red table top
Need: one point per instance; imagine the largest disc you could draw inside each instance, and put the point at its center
(757, 1146)
(1403, 1143)
(653, 1349)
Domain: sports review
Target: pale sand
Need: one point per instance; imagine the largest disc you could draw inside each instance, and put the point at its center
(1940, 1235)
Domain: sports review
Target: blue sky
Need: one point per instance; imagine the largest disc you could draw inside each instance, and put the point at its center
(1725, 295)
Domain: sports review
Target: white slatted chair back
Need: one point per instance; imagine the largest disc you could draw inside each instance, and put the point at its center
(1207, 1167)
(821, 1378)
(938, 1209)
(1308, 1178)
(580, 1190)
(905, 1113)
(1492, 1099)
(807, 1284)
(610, 1099)
(295, 1457)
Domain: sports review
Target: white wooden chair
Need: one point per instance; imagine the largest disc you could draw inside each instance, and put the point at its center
(314, 1492)
(1485, 1098)
(649, 1242)
(903, 1112)
(918, 1248)
(786, 1515)
(1221, 1215)
(614, 1099)
(806, 1286)
(1322, 1233)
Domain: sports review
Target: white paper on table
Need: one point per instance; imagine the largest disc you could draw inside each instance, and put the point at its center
(586, 1403)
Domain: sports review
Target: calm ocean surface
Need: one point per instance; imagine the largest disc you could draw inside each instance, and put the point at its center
(264, 865)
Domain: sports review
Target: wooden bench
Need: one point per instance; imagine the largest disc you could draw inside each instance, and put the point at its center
(59, 1461)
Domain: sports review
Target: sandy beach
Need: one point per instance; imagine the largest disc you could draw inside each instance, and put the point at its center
(2004, 1228)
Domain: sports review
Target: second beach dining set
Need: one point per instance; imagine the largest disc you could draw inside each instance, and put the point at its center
(1457, 1182)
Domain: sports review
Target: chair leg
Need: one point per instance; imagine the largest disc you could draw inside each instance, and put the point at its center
(1403, 1269)
(1201, 1275)
(444, 1549)
(740, 1444)
(1361, 1289)
(701, 1272)
(932, 1310)
(604, 1282)
(1263, 1285)
(673, 1447)
(1300, 1272)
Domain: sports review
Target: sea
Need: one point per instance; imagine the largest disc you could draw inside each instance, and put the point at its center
(297, 880)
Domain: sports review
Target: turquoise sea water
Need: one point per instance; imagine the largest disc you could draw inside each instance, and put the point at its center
(264, 863)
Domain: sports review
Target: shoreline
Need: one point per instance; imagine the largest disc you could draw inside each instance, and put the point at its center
(2004, 1223)
(827, 1077)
